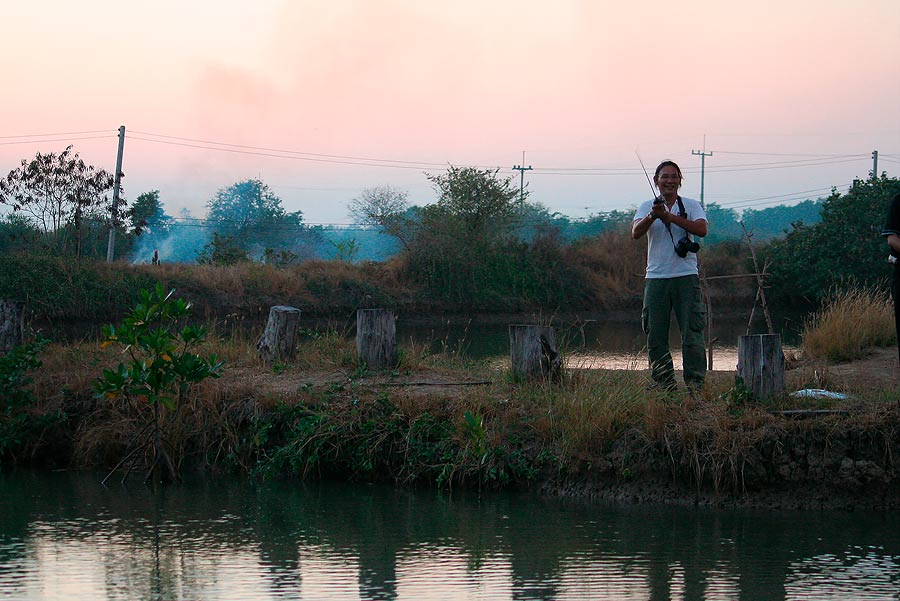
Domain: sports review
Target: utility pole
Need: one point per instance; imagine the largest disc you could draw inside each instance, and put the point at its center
(522, 169)
(114, 211)
(703, 154)
(874, 164)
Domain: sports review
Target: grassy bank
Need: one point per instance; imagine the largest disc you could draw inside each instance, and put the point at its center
(596, 274)
(442, 420)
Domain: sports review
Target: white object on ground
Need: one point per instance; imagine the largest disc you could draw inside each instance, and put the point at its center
(818, 393)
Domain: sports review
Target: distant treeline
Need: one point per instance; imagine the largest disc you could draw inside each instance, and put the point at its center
(60, 206)
(483, 245)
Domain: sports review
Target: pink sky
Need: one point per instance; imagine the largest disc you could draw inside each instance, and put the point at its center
(575, 84)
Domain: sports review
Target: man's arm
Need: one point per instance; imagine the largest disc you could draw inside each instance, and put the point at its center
(639, 227)
(697, 227)
(893, 241)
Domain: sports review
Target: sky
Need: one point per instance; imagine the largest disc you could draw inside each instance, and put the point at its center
(323, 99)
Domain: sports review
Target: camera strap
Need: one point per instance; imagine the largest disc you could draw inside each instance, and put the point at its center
(681, 213)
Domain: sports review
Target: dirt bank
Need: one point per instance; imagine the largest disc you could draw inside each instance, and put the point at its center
(716, 451)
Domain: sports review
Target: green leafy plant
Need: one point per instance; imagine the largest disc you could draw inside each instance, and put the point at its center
(160, 370)
(474, 428)
(18, 423)
(738, 398)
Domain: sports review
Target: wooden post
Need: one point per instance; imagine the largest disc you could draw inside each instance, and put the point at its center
(532, 351)
(279, 339)
(12, 324)
(761, 364)
(376, 338)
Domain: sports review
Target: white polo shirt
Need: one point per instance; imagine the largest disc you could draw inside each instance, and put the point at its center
(662, 261)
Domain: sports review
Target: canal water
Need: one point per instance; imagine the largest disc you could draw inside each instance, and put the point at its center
(600, 342)
(64, 536)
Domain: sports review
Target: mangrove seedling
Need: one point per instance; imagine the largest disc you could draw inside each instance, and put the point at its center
(160, 370)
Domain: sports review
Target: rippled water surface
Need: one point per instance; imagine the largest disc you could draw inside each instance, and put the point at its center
(63, 536)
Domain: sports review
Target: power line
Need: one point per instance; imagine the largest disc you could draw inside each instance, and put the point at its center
(785, 164)
(69, 133)
(418, 164)
(57, 140)
(281, 156)
(305, 189)
(431, 166)
(769, 204)
(782, 154)
(596, 171)
(777, 196)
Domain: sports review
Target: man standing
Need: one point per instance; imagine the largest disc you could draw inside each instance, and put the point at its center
(672, 282)
(892, 232)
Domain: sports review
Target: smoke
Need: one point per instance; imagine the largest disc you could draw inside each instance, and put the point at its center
(179, 243)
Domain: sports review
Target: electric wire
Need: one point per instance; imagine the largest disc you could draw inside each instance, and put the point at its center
(68, 133)
(776, 196)
(768, 204)
(814, 160)
(709, 169)
(57, 140)
(418, 164)
(282, 156)
(784, 154)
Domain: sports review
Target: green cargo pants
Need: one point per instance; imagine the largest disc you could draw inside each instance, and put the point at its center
(682, 296)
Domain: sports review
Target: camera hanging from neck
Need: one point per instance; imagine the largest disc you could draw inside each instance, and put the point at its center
(685, 244)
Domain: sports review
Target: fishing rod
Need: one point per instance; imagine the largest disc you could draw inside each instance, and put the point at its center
(656, 198)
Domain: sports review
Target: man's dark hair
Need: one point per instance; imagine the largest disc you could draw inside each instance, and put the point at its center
(665, 164)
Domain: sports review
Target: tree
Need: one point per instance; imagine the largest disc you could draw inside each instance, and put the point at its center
(470, 247)
(147, 216)
(844, 248)
(476, 200)
(18, 233)
(244, 205)
(775, 222)
(385, 207)
(723, 224)
(252, 216)
(222, 250)
(58, 191)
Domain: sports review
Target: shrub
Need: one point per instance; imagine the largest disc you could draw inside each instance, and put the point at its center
(20, 425)
(849, 323)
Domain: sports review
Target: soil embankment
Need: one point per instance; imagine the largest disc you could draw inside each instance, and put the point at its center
(717, 450)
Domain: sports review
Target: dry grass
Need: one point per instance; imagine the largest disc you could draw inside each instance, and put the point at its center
(593, 421)
(612, 264)
(848, 324)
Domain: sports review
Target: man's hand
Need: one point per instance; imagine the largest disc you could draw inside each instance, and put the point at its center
(659, 211)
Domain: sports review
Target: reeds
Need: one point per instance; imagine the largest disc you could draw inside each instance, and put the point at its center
(849, 323)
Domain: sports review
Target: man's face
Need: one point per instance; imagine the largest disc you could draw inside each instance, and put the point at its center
(668, 181)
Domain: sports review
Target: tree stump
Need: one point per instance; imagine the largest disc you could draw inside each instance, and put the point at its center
(533, 353)
(279, 339)
(12, 324)
(376, 338)
(761, 364)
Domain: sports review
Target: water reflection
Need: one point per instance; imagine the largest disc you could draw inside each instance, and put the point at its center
(617, 336)
(63, 535)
